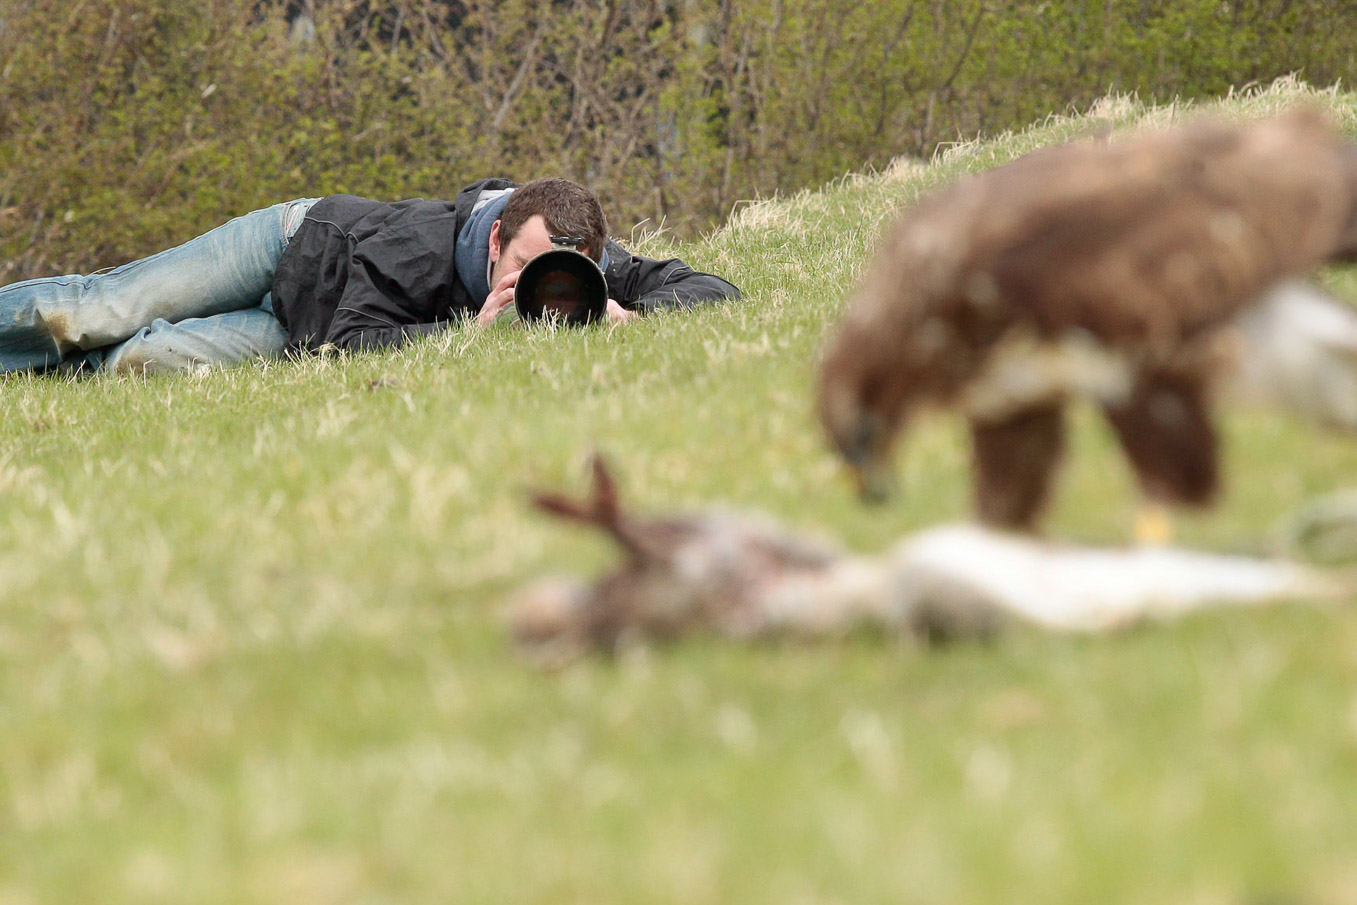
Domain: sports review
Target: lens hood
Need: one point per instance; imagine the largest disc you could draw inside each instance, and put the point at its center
(561, 284)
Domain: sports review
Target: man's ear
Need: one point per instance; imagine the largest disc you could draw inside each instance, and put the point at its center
(494, 242)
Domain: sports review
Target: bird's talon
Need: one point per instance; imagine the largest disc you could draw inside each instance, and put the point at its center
(1154, 526)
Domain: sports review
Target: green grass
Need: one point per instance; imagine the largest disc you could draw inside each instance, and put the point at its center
(251, 647)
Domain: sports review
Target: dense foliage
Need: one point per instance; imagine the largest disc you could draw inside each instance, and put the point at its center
(127, 125)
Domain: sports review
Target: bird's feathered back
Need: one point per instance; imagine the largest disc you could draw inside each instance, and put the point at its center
(1141, 244)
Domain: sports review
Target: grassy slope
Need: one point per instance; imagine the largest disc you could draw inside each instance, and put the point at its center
(250, 651)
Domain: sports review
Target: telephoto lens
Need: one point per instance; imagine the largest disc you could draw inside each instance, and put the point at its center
(561, 285)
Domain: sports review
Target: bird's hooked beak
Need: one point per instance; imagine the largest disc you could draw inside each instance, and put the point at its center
(867, 452)
(875, 482)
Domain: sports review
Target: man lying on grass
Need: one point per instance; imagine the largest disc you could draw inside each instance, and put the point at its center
(338, 271)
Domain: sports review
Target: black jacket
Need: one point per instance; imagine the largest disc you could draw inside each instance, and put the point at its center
(362, 274)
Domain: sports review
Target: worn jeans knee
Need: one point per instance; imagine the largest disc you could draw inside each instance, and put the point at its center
(196, 343)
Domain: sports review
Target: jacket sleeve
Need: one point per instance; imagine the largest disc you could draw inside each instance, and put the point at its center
(392, 278)
(645, 284)
(382, 337)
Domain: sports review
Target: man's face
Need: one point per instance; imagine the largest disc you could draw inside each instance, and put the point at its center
(532, 239)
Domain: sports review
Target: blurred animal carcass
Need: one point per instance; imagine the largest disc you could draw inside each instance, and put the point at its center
(734, 575)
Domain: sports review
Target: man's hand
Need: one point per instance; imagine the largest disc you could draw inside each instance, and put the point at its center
(619, 315)
(501, 297)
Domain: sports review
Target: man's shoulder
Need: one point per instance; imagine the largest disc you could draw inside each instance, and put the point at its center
(370, 214)
(493, 183)
(466, 198)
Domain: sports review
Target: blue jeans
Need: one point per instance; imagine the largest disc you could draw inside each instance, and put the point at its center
(203, 303)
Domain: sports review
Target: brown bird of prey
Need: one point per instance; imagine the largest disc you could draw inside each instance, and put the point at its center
(1109, 270)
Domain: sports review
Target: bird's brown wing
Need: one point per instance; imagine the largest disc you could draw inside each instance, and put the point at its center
(1159, 237)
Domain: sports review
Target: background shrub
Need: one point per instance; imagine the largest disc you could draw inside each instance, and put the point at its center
(129, 125)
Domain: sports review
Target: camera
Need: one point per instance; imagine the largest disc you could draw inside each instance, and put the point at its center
(562, 285)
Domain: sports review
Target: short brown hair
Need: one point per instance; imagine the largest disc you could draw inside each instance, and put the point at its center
(568, 208)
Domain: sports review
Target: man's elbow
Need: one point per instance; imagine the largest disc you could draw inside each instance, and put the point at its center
(360, 340)
(730, 292)
(712, 291)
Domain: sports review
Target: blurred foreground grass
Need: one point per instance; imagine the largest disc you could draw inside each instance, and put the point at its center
(250, 648)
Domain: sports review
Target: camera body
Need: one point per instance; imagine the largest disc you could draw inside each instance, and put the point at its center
(562, 285)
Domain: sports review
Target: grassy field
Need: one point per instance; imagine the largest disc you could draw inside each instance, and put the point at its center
(251, 647)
